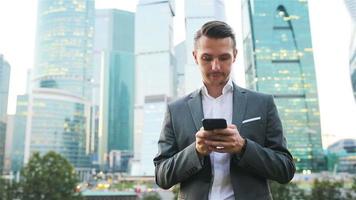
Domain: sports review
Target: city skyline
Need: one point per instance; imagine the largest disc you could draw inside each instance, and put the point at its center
(336, 118)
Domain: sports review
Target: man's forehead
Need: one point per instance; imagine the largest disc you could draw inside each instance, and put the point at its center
(208, 42)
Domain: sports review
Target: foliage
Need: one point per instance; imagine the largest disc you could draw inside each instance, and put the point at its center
(151, 196)
(9, 190)
(326, 189)
(351, 193)
(286, 191)
(49, 177)
(123, 185)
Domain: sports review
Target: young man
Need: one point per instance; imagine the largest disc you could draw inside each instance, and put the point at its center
(231, 163)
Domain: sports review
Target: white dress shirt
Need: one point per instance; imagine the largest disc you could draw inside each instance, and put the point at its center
(220, 107)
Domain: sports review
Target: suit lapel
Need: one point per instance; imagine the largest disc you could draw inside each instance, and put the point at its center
(239, 106)
(196, 108)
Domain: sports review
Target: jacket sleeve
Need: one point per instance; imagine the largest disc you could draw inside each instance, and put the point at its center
(172, 165)
(273, 160)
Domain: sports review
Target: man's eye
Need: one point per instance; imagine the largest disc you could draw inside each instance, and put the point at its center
(224, 58)
(206, 58)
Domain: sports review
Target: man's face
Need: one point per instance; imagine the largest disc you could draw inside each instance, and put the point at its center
(215, 58)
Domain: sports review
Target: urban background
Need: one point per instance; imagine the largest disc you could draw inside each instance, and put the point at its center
(86, 83)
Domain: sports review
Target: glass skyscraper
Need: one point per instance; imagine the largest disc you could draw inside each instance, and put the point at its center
(60, 100)
(351, 6)
(18, 133)
(4, 94)
(4, 86)
(197, 12)
(279, 60)
(115, 63)
(180, 57)
(64, 45)
(155, 72)
(2, 144)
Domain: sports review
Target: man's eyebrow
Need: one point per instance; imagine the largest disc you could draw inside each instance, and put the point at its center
(225, 54)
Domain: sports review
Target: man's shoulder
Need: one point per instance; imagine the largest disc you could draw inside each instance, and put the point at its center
(253, 94)
(181, 101)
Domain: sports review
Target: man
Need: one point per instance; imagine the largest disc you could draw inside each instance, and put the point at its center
(231, 163)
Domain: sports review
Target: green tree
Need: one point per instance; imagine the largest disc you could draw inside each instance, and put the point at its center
(49, 177)
(326, 189)
(351, 192)
(286, 191)
(151, 196)
(8, 191)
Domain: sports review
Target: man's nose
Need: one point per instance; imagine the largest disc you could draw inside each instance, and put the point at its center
(215, 65)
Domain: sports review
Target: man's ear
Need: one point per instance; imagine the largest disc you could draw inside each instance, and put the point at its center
(235, 55)
(195, 56)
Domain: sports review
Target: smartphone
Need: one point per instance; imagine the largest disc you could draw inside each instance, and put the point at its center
(211, 124)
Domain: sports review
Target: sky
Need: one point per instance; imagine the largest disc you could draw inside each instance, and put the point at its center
(330, 29)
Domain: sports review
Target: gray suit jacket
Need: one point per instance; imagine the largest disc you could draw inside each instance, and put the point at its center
(266, 155)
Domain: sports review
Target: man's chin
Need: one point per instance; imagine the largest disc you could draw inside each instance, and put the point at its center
(218, 82)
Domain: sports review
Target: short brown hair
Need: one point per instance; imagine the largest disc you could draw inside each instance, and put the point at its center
(217, 30)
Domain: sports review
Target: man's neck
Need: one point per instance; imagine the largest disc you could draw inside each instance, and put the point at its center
(216, 90)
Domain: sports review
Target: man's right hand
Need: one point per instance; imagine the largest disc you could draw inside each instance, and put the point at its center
(200, 137)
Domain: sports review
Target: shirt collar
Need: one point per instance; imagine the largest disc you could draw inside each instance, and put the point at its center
(227, 88)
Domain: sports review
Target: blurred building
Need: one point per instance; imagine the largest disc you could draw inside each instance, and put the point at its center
(351, 6)
(59, 123)
(2, 144)
(17, 132)
(119, 161)
(342, 156)
(4, 94)
(155, 107)
(8, 143)
(279, 61)
(180, 57)
(4, 87)
(197, 13)
(58, 117)
(155, 72)
(114, 73)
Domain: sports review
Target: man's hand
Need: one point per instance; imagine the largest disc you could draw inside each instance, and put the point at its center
(226, 140)
(200, 142)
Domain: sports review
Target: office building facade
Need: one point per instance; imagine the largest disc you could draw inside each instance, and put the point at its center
(115, 73)
(155, 70)
(351, 6)
(59, 102)
(279, 61)
(4, 94)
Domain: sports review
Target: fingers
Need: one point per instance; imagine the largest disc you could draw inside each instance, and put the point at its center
(219, 144)
(200, 145)
(233, 126)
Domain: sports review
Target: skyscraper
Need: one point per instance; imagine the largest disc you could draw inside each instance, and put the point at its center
(17, 148)
(4, 94)
(180, 56)
(279, 60)
(155, 76)
(342, 155)
(115, 59)
(198, 12)
(64, 45)
(4, 86)
(351, 6)
(59, 102)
